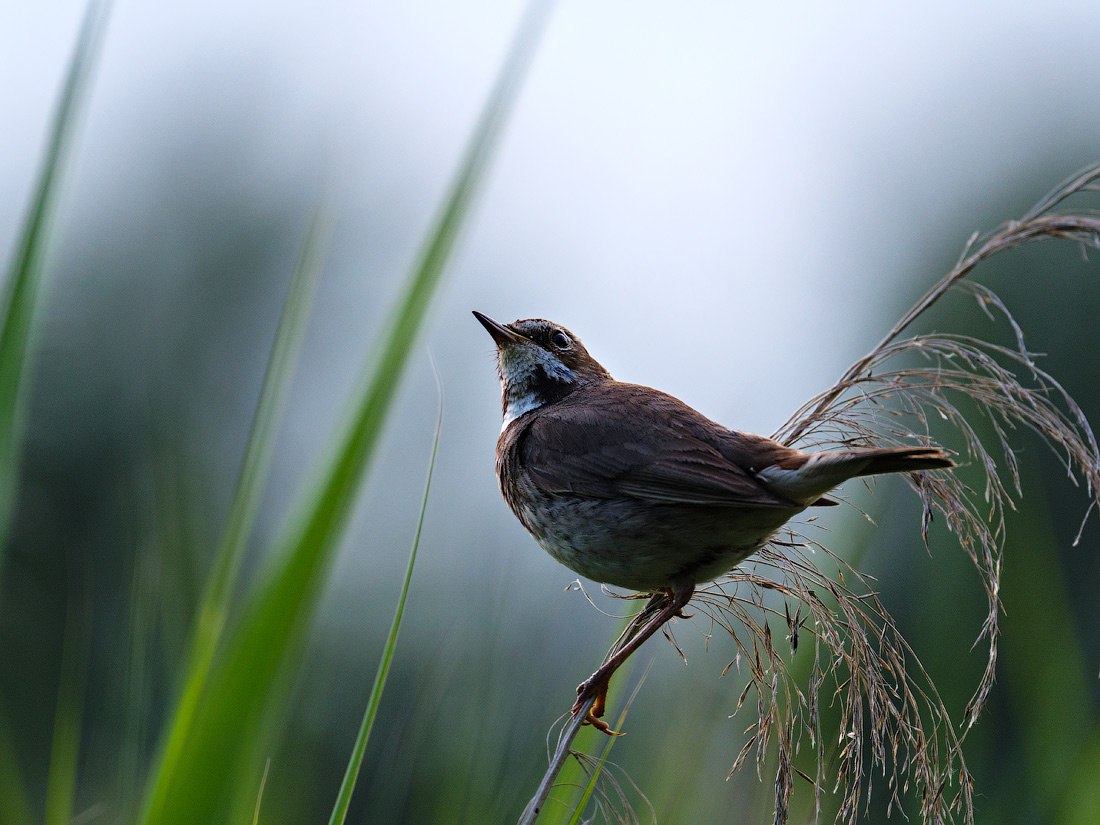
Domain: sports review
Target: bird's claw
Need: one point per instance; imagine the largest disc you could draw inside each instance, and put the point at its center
(595, 690)
(600, 725)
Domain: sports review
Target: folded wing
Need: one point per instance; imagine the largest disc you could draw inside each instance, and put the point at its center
(648, 446)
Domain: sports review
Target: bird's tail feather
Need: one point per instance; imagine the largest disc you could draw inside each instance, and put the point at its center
(902, 460)
(815, 474)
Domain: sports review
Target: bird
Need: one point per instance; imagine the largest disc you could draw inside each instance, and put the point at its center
(629, 486)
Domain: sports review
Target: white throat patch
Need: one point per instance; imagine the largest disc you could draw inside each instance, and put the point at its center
(519, 406)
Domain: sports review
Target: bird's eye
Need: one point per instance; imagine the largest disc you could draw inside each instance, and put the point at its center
(559, 339)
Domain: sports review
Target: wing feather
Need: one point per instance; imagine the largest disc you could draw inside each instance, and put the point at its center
(590, 444)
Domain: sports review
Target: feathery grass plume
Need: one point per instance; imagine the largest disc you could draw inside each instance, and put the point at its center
(891, 718)
(608, 789)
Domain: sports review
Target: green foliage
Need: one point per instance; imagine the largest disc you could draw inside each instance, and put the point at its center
(15, 806)
(18, 298)
(65, 749)
(355, 762)
(213, 613)
(24, 277)
(213, 766)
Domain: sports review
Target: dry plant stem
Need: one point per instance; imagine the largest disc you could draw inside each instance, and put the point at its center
(557, 762)
(583, 708)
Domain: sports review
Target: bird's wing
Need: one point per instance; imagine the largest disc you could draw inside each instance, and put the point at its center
(638, 443)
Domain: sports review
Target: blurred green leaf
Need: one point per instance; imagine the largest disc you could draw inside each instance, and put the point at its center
(1040, 650)
(347, 787)
(65, 747)
(24, 276)
(15, 806)
(1079, 804)
(214, 610)
(238, 715)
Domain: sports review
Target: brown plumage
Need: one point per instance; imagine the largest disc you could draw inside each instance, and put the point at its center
(628, 485)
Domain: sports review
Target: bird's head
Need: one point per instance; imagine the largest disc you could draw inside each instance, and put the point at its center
(539, 362)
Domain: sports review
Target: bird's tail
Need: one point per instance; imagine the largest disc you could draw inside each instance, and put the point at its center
(811, 475)
(896, 459)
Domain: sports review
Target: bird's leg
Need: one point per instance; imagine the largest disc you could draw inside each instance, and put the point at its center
(645, 625)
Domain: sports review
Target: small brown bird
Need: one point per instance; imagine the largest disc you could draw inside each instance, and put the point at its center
(629, 486)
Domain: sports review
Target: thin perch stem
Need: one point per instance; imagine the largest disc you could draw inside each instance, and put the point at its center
(628, 640)
(557, 762)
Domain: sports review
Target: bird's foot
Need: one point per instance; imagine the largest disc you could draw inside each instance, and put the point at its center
(679, 614)
(601, 725)
(594, 688)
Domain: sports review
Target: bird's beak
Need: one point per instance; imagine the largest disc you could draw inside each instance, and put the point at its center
(501, 334)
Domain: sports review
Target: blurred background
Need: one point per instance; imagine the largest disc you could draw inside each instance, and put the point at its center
(727, 201)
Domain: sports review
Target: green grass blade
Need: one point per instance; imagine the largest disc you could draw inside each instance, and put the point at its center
(65, 747)
(573, 786)
(15, 806)
(1080, 800)
(214, 610)
(24, 276)
(347, 786)
(260, 794)
(247, 684)
(261, 442)
(1050, 733)
(605, 754)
